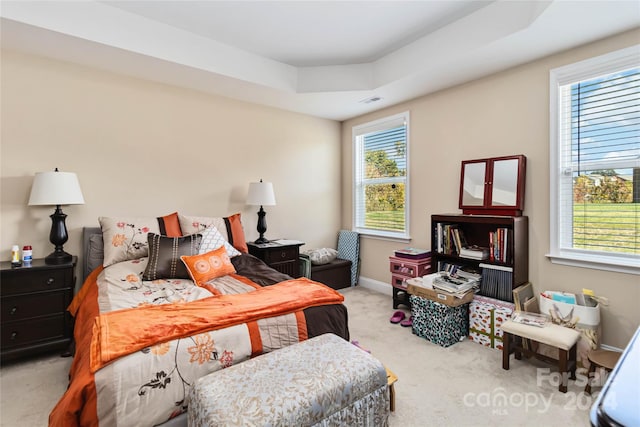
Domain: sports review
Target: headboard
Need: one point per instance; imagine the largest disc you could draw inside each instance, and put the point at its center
(92, 249)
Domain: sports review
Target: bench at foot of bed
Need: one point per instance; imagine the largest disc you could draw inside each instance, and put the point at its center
(322, 381)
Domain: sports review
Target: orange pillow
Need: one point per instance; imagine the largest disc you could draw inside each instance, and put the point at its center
(236, 234)
(170, 225)
(210, 265)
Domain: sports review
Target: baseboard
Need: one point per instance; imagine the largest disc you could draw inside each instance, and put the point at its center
(375, 285)
(610, 348)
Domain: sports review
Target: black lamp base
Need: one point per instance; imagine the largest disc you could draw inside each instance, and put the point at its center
(57, 258)
(58, 237)
(262, 226)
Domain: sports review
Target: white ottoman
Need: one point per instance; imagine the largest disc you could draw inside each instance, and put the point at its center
(324, 381)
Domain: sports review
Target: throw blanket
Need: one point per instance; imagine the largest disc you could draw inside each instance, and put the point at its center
(123, 332)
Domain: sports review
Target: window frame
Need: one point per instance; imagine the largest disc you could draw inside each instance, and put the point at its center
(587, 69)
(387, 122)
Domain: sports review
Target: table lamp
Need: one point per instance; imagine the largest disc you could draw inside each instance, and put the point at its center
(261, 194)
(56, 189)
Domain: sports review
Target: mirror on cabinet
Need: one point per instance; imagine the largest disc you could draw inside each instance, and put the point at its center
(473, 180)
(493, 186)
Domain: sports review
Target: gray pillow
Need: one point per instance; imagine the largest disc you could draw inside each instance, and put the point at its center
(321, 256)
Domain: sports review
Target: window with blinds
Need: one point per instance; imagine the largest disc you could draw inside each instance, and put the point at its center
(595, 174)
(381, 187)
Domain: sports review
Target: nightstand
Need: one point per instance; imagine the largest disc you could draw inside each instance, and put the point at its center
(34, 302)
(282, 257)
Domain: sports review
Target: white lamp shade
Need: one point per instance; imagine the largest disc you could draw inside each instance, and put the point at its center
(261, 194)
(56, 188)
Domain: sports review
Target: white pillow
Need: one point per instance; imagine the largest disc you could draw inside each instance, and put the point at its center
(321, 256)
(212, 239)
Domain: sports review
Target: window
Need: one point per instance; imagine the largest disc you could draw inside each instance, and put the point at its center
(381, 183)
(595, 162)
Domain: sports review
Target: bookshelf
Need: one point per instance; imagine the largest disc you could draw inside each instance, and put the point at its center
(508, 258)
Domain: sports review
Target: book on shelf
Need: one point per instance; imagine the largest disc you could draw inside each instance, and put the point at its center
(499, 241)
(526, 318)
(467, 271)
(475, 252)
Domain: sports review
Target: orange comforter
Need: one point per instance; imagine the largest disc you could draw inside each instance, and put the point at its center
(119, 333)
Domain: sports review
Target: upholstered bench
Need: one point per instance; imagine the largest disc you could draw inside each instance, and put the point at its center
(564, 339)
(322, 381)
(335, 274)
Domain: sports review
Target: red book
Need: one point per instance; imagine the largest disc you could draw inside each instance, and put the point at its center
(491, 247)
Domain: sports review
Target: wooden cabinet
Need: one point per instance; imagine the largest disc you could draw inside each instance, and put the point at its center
(493, 186)
(403, 269)
(34, 303)
(282, 257)
(510, 248)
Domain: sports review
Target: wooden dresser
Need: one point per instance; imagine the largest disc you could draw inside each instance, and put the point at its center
(34, 303)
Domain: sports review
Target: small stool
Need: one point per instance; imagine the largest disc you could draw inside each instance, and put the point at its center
(391, 379)
(605, 359)
(564, 339)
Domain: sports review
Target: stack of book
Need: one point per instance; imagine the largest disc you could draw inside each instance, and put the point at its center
(457, 284)
(475, 252)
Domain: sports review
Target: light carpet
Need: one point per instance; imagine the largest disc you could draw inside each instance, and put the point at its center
(461, 385)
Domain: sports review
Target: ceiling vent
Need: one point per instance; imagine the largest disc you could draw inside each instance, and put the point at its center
(372, 99)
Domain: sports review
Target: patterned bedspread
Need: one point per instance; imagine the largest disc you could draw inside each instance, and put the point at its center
(151, 385)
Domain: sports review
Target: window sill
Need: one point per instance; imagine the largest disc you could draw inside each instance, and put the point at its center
(394, 237)
(597, 262)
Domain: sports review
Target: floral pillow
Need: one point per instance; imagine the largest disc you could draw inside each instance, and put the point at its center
(208, 266)
(126, 238)
(230, 228)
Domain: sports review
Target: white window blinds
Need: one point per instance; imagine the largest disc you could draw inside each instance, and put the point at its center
(598, 162)
(380, 177)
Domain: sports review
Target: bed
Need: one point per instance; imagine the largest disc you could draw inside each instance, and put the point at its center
(145, 330)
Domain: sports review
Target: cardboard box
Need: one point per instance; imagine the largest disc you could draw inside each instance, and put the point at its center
(439, 296)
(486, 315)
(439, 323)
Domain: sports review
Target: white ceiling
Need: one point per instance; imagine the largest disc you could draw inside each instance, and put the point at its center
(322, 58)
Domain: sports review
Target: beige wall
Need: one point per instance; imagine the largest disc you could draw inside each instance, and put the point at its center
(147, 149)
(503, 114)
(142, 148)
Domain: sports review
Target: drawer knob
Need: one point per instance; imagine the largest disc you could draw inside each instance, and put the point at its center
(14, 335)
(283, 254)
(50, 281)
(13, 311)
